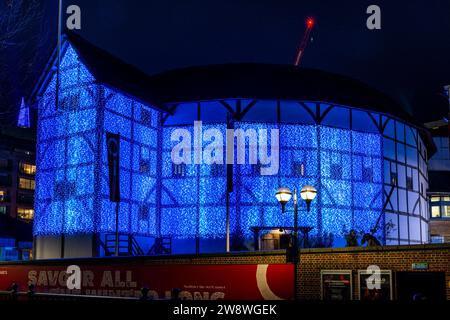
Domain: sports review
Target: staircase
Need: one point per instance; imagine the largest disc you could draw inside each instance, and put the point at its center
(162, 245)
(128, 246)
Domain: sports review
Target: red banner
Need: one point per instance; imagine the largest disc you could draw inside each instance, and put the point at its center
(198, 282)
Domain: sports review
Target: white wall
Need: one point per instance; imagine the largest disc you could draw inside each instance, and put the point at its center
(75, 246)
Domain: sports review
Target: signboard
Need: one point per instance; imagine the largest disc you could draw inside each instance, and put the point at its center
(336, 284)
(112, 147)
(382, 294)
(420, 265)
(197, 282)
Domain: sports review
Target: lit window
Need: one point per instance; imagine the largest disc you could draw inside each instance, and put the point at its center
(25, 214)
(446, 199)
(446, 211)
(28, 168)
(434, 199)
(3, 210)
(435, 212)
(3, 195)
(26, 184)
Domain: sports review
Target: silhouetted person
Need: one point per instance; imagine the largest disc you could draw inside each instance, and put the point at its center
(175, 294)
(144, 292)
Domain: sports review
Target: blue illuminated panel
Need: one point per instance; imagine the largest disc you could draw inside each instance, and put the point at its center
(66, 151)
(72, 177)
(345, 167)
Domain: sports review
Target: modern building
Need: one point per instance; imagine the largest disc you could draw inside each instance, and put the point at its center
(439, 176)
(365, 156)
(17, 184)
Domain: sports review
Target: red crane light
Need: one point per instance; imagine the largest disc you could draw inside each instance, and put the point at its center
(304, 42)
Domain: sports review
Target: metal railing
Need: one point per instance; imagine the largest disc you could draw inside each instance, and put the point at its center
(15, 295)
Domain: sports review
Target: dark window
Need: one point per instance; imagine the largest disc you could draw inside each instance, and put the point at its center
(218, 170)
(336, 171)
(64, 189)
(70, 102)
(25, 198)
(144, 166)
(409, 183)
(146, 117)
(256, 169)
(4, 164)
(394, 178)
(179, 170)
(3, 210)
(5, 180)
(22, 151)
(143, 212)
(298, 169)
(367, 174)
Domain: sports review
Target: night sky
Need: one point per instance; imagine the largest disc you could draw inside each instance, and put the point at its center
(409, 58)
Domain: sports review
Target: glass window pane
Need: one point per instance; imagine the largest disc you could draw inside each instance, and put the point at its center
(446, 211)
(435, 212)
(25, 213)
(434, 199)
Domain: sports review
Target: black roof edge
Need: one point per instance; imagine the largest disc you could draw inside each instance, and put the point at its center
(88, 54)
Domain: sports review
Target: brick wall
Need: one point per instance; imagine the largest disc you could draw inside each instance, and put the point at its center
(395, 258)
(440, 228)
(312, 261)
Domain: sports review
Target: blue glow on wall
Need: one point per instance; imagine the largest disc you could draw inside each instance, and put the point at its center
(23, 120)
(72, 177)
(333, 159)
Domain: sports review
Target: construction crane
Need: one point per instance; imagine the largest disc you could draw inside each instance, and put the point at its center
(301, 49)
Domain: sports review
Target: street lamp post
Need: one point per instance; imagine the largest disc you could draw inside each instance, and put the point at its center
(283, 195)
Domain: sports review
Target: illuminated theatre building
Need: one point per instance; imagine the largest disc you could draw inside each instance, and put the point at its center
(358, 148)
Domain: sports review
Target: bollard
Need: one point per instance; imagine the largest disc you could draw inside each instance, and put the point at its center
(30, 293)
(144, 292)
(14, 291)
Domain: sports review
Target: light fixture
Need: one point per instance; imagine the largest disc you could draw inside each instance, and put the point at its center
(283, 196)
(308, 194)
